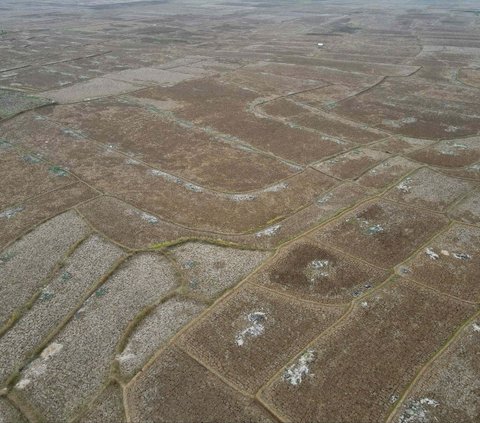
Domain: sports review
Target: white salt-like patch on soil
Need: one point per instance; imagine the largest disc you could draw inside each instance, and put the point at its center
(270, 231)
(8, 214)
(432, 254)
(277, 187)
(417, 411)
(295, 374)
(257, 327)
(404, 186)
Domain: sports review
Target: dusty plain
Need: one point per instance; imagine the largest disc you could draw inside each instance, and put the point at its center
(239, 211)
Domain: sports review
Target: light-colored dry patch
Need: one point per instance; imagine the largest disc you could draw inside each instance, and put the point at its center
(154, 331)
(94, 88)
(299, 370)
(81, 271)
(57, 387)
(211, 269)
(25, 265)
(149, 75)
(254, 327)
(9, 414)
(268, 231)
(386, 173)
(429, 189)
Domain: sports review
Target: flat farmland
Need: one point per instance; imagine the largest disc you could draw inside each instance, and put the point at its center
(239, 211)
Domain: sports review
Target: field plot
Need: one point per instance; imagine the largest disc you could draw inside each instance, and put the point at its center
(28, 261)
(64, 390)
(314, 120)
(144, 134)
(211, 269)
(202, 397)
(108, 408)
(222, 108)
(372, 356)
(401, 145)
(429, 189)
(450, 154)
(470, 77)
(239, 211)
(387, 172)
(457, 367)
(448, 263)
(311, 271)
(30, 212)
(414, 110)
(468, 210)
(252, 332)
(13, 102)
(352, 164)
(391, 232)
(78, 275)
(10, 412)
(25, 176)
(146, 338)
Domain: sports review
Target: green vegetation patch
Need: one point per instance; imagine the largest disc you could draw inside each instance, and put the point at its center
(58, 171)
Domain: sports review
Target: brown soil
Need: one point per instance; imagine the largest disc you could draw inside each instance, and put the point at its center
(382, 233)
(371, 357)
(252, 332)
